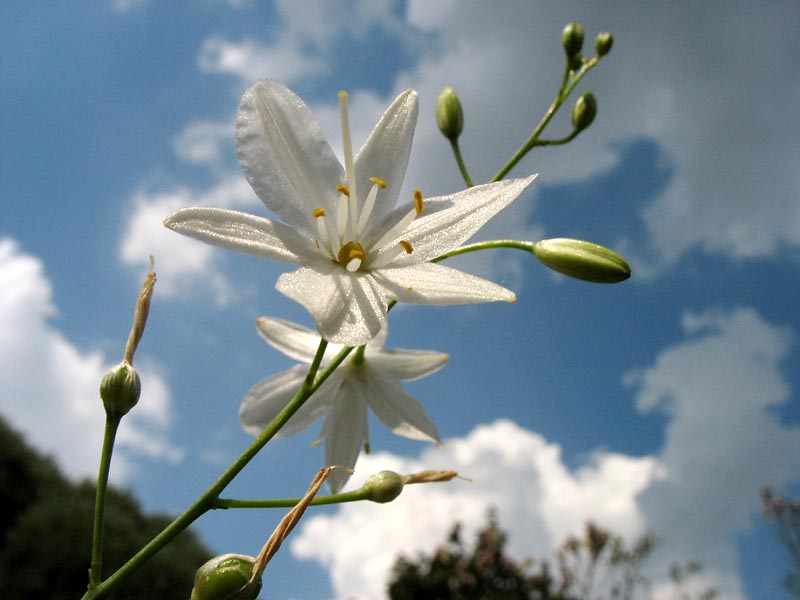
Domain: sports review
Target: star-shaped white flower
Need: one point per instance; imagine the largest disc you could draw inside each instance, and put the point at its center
(370, 380)
(356, 251)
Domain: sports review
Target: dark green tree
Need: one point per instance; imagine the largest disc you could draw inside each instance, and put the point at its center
(786, 516)
(47, 534)
(597, 565)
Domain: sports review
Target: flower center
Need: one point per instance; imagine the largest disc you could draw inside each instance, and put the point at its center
(339, 235)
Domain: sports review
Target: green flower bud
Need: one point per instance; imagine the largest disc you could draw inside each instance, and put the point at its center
(449, 115)
(603, 43)
(572, 39)
(383, 487)
(120, 389)
(582, 260)
(226, 577)
(584, 111)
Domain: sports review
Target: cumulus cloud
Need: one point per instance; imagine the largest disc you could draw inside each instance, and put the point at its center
(719, 388)
(734, 190)
(50, 387)
(181, 261)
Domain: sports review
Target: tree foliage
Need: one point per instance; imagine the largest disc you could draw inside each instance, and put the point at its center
(597, 565)
(46, 534)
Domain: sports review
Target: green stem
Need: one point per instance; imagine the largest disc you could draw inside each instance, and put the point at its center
(206, 501)
(518, 245)
(112, 424)
(225, 503)
(460, 160)
(567, 85)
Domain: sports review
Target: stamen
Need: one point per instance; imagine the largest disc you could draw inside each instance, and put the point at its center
(348, 162)
(397, 230)
(343, 189)
(379, 181)
(341, 217)
(406, 246)
(369, 204)
(324, 236)
(418, 203)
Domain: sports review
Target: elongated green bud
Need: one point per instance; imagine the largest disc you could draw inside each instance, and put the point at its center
(584, 111)
(582, 260)
(572, 39)
(383, 487)
(603, 43)
(226, 577)
(449, 115)
(120, 389)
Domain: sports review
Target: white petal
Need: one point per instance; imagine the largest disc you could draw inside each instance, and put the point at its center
(349, 308)
(269, 397)
(429, 283)
(440, 231)
(385, 153)
(239, 231)
(295, 341)
(407, 365)
(284, 155)
(345, 431)
(402, 414)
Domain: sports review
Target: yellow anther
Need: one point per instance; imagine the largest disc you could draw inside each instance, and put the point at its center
(343, 189)
(318, 212)
(419, 205)
(379, 181)
(406, 246)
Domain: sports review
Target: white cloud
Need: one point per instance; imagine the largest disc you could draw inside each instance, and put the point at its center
(723, 443)
(50, 387)
(203, 142)
(180, 261)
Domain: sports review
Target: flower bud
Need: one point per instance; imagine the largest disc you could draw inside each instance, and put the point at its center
(120, 389)
(226, 577)
(584, 111)
(449, 115)
(572, 39)
(603, 43)
(582, 260)
(383, 487)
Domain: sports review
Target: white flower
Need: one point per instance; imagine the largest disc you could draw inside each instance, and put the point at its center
(356, 251)
(372, 380)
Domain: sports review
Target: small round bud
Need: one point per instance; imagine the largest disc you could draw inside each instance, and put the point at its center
(383, 487)
(603, 43)
(582, 260)
(226, 577)
(120, 389)
(584, 111)
(572, 39)
(449, 115)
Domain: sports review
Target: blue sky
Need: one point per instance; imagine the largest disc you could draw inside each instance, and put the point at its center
(663, 404)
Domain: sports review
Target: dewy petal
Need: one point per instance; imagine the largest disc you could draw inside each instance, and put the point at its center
(269, 397)
(407, 365)
(400, 413)
(429, 283)
(440, 231)
(385, 153)
(349, 308)
(284, 155)
(292, 339)
(246, 233)
(345, 431)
